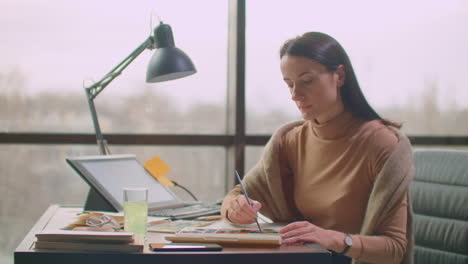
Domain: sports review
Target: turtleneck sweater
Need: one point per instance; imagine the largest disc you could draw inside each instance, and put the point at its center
(334, 165)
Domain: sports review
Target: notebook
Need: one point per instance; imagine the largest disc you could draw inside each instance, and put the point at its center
(109, 174)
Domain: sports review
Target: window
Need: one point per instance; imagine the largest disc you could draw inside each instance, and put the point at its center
(55, 47)
(52, 47)
(408, 57)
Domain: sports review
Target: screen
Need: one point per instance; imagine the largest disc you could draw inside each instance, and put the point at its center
(114, 175)
(183, 246)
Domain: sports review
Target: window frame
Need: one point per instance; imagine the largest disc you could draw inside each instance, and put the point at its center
(235, 140)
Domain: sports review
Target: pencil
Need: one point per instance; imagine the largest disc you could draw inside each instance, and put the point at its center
(248, 199)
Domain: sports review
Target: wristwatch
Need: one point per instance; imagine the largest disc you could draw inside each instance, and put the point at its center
(348, 242)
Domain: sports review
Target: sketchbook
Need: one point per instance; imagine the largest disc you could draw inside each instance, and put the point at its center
(166, 226)
(228, 236)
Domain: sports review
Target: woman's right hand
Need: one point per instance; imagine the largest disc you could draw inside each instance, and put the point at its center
(240, 212)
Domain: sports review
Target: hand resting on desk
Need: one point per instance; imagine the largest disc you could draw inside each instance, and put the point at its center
(302, 232)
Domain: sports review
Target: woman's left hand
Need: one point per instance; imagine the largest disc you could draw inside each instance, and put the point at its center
(300, 232)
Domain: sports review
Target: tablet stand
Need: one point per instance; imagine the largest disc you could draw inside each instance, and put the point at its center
(96, 202)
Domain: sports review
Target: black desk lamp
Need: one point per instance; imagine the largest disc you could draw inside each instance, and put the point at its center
(167, 63)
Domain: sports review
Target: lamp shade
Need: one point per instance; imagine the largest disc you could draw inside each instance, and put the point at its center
(168, 62)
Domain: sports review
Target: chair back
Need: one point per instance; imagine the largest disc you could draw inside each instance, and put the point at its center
(439, 196)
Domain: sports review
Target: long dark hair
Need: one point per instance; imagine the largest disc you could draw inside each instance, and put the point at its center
(327, 51)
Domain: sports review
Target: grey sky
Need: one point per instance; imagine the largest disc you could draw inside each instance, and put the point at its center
(396, 47)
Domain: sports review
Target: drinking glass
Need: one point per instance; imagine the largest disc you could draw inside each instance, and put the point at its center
(136, 212)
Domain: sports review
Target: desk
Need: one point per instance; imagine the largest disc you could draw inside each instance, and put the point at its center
(57, 217)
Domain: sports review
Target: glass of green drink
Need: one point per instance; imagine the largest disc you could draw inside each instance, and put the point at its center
(136, 212)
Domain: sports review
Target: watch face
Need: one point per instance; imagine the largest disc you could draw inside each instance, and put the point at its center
(348, 240)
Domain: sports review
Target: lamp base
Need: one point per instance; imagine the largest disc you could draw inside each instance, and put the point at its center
(96, 202)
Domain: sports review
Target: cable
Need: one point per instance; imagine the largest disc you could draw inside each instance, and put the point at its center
(185, 189)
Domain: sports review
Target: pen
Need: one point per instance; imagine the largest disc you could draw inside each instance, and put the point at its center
(247, 197)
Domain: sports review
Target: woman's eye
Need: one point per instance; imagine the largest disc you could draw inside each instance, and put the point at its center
(308, 81)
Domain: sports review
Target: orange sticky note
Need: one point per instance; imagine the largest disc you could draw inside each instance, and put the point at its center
(158, 168)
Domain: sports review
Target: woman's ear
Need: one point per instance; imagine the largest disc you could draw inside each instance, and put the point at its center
(340, 71)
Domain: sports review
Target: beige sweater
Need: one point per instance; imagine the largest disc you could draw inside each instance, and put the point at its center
(266, 184)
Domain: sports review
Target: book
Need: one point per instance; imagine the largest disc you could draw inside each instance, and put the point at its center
(83, 246)
(85, 236)
(228, 236)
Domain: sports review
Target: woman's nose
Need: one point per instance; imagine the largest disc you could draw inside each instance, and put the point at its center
(295, 96)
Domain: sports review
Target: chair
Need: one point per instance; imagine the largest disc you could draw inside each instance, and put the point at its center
(440, 201)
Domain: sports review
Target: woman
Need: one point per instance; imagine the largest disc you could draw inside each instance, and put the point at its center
(341, 176)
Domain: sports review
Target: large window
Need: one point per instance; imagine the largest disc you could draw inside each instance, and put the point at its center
(409, 58)
(52, 48)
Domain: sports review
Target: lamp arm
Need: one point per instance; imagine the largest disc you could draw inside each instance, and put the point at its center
(93, 90)
(102, 144)
(98, 86)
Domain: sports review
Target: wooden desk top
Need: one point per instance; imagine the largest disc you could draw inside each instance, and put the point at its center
(57, 217)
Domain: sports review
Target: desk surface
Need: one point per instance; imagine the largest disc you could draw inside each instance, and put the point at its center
(57, 217)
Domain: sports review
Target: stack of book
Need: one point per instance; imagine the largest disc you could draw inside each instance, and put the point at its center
(67, 240)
